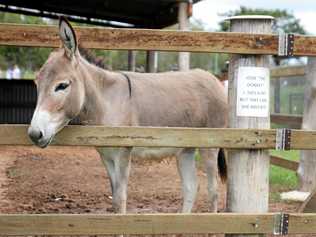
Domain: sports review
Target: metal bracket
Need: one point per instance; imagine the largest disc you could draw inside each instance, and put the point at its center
(283, 139)
(286, 44)
(281, 224)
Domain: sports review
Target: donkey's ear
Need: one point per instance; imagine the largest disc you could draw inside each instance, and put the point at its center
(67, 36)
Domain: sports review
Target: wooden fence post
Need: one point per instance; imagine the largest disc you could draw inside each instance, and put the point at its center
(151, 61)
(307, 166)
(131, 60)
(277, 89)
(183, 19)
(248, 91)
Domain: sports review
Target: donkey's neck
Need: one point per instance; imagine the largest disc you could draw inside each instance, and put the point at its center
(107, 99)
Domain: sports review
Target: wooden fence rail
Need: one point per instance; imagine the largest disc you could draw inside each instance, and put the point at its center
(162, 137)
(288, 119)
(288, 71)
(131, 39)
(91, 224)
(286, 164)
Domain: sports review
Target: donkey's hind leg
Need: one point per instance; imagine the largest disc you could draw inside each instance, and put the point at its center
(187, 171)
(209, 157)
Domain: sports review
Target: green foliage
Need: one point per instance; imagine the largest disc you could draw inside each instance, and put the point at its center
(30, 58)
(287, 90)
(282, 180)
(284, 19)
(207, 61)
(26, 57)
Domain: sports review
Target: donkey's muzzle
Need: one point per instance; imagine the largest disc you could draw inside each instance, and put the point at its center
(35, 134)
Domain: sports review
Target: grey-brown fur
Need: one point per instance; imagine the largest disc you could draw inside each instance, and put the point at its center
(69, 86)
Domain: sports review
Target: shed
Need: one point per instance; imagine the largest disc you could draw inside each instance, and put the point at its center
(154, 14)
(18, 97)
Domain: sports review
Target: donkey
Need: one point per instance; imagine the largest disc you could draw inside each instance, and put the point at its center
(69, 86)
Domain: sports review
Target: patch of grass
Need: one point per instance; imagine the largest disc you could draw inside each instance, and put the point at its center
(281, 179)
(12, 172)
(198, 156)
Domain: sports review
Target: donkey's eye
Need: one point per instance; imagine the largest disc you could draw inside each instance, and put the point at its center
(61, 86)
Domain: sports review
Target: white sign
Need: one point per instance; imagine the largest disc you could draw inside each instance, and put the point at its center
(253, 91)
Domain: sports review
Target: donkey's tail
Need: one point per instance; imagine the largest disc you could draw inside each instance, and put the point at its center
(221, 164)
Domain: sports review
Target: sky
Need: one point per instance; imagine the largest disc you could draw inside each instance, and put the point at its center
(208, 11)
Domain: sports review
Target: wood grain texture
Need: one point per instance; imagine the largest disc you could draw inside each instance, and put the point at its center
(146, 136)
(306, 171)
(76, 224)
(286, 164)
(303, 140)
(248, 170)
(161, 137)
(309, 205)
(99, 224)
(294, 121)
(303, 45)
(302, 223)
(288, 71)
(164, 40)
(183, 25)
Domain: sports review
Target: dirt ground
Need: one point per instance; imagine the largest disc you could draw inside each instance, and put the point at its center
(73, 180)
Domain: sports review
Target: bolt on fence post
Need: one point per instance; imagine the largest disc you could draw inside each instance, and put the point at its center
(248, 98)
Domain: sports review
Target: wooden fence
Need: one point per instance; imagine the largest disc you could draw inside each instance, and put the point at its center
(237, 43)
(90, 224)
(286, 164)
(163, 40)
(291, 120)
(163, 137)
(288, 71)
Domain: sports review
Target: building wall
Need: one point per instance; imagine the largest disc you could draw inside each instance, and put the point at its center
(17, 101)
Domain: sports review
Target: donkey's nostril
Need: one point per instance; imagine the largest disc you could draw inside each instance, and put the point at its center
(40, 135)
(35, 134)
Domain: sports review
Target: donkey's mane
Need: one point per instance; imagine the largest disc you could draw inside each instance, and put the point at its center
(99, 62)
(90, 56)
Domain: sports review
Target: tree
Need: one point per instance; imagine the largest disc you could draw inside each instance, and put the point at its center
(207, 61)
(28, 58)
(284, 20)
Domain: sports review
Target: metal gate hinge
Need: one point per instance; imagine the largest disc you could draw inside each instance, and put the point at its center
(281, 224)
(283, 139)
(286, 44)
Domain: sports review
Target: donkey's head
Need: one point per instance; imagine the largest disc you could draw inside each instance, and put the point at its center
(60, 89)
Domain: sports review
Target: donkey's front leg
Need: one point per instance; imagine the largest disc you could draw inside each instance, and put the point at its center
(187, 171)
(117, 164)
(122, 165)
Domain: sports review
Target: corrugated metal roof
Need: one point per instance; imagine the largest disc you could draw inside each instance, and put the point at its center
(136, 13)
